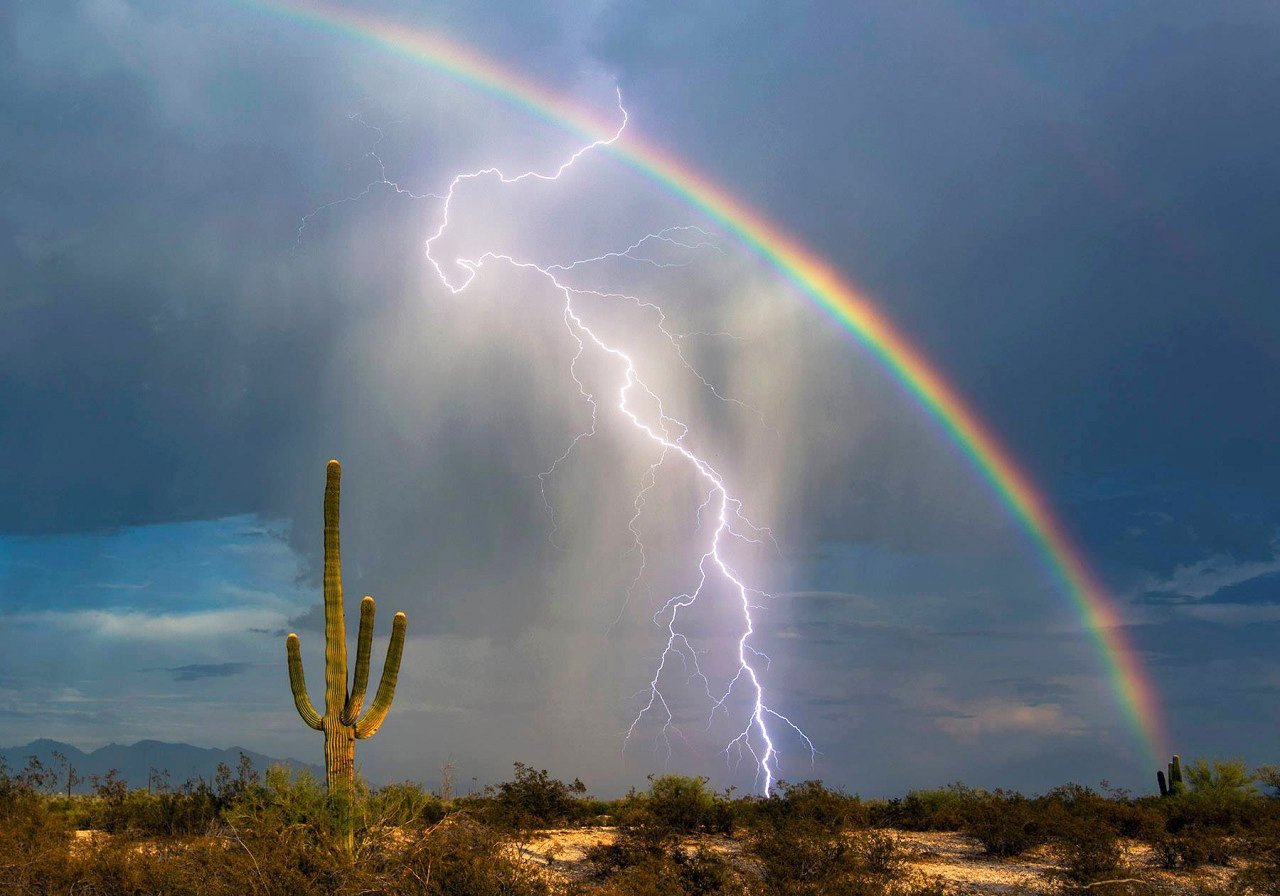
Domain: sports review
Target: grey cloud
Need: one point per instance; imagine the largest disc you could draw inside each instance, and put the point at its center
(1260, 590)
(172, 351)
(198, 671)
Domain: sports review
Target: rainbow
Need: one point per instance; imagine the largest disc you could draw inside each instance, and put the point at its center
(816, 279)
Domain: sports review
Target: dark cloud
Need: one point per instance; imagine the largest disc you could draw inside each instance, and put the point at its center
(1071, 210)
(1116, 326)
(1260, 590)
(198, 671)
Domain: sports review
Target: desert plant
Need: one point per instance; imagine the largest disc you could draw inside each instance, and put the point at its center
(943, 809)
(1269, 777)
(1227, 779)
(1191, 847)
(1006, 824)
(806, 858)
(681, 802)
(1171, 785)
(535, 799)
(342, 722)
(1090, 851)
(810, 800)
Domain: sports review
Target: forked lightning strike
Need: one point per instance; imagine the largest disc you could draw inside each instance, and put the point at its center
(667, 434)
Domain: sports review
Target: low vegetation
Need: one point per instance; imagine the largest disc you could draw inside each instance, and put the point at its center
(278, 832)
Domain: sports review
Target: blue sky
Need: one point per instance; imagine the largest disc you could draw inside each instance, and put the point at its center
(1071, 211)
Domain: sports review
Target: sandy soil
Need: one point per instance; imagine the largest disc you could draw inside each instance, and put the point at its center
(955, 859)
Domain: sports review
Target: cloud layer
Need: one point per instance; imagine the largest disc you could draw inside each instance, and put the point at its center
(1069, 211)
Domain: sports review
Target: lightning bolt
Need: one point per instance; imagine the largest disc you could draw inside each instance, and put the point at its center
(756, 726)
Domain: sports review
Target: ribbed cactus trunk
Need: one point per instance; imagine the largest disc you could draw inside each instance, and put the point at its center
(342, 723)
(1173, 784)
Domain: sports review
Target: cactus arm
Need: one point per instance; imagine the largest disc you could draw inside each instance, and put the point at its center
(335, 630)
(299, 684)
(364, 646)
(1164, 784)
(372, 720)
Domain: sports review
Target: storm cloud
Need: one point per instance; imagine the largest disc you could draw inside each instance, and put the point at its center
(1070, 211)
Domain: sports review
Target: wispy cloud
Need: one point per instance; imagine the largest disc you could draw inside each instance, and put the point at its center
(1208, 577)
(140, 626)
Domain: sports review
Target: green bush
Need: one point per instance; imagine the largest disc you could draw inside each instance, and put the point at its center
(1220, 779)
(1088, 849)
(535, 799)
(806, 858)
(808, 801)
(1006, 823)
(945, 809)
(406, 804)
(681, 803)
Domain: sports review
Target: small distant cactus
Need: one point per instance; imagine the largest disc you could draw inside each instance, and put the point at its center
(342, 722)
(1172, 785)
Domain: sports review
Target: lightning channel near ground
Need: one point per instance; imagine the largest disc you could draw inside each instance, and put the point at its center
(756, 726)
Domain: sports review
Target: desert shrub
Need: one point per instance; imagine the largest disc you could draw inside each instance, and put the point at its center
(1262, 873)
(190, 809)
(455, 858)
(1210, 816)
(685, 804)
(1005, 823)
(642, 839)
(1190, 848)
(677, 872)
(673, 807)
(1225, 779)
(1089, 850)
(652, 878)
(806, 858)
(34, 842)
(945, 809)
(1269, 777)
(1221, 797)
(703, 872)
(124, 866)
(535, 799)
(879, 852)
(295, 809)
(1135, 819)
(595, 812)
(803, 858)
(680, 802)
(406, 804)
(1174, 852)
(193, 809)
(808, 801)
(458, 857)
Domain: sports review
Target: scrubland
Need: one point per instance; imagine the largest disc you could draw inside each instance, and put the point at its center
(279, 833)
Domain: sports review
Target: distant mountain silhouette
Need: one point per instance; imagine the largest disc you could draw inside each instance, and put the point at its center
(134, 762)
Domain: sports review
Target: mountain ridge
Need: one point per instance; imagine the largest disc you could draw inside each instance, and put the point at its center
(134, 762)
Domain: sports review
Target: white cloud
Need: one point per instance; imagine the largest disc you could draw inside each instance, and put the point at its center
(1206, 577)
(134, 625)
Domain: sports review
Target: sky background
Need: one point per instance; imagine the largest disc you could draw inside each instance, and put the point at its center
(1071, 210)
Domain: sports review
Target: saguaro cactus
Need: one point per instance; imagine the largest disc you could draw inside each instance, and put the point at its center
(342, 722)
(1171, 786)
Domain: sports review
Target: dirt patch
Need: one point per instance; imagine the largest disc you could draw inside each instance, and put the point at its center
(956, 860)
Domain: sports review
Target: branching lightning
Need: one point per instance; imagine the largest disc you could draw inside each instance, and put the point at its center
(756, 737)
